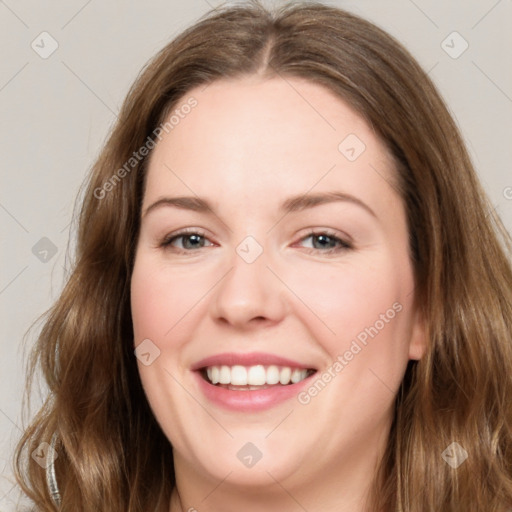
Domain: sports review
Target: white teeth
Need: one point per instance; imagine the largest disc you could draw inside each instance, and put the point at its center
(285, 375)
(225, 375)
(254, 376)
(273, 375)
(297, 376)
(238, 376)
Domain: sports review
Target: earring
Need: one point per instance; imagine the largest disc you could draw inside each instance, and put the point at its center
(51, 479)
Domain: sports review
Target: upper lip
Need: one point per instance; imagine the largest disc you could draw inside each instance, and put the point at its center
(248, 359)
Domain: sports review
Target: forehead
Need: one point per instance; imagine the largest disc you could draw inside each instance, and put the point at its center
(266, 138)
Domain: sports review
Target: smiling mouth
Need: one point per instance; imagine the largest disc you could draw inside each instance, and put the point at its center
(257, 377)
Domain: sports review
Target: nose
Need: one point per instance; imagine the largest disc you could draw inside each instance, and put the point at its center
(249, 294)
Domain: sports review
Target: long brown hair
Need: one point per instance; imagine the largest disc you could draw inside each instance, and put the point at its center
(112, 455)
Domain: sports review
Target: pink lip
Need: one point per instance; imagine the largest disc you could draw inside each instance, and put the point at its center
(253, 400)
(251, 359)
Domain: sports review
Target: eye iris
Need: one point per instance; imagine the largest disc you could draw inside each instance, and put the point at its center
(331, 243)
(197, 241)
(197, 238)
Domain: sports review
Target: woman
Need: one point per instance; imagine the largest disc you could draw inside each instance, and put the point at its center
(289, 290)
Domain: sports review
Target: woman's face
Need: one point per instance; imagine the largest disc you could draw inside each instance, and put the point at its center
(276, 331)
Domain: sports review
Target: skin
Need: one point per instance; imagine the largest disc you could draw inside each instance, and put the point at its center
(249, 145)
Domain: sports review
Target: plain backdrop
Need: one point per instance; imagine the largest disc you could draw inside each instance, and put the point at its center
(57, 108)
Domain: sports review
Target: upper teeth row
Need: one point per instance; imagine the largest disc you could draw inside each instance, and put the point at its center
(254, 375)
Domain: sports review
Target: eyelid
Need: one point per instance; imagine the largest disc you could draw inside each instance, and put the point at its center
(329, 232)
(344, 240)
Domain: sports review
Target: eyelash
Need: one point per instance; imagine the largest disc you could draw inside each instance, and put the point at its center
(343, 244)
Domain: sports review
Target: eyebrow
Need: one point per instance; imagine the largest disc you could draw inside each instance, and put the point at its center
(292, 204)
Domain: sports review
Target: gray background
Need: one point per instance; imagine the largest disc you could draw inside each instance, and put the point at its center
(56, 112)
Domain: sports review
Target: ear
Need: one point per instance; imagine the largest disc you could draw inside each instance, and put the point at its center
(418, 342)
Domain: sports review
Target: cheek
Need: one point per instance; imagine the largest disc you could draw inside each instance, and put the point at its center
(147, 312)
(351, 297)
(159, 299)
(369, 309)
(161, 303)
(362, 313)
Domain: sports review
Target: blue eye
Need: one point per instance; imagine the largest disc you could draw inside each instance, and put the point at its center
(191, 241)
(327, 242)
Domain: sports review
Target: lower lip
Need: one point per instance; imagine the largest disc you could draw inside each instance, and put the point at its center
(250, 400)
